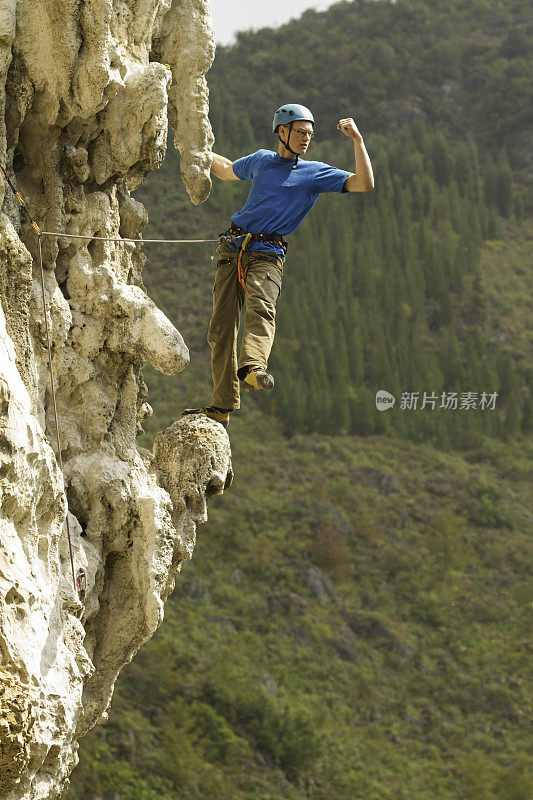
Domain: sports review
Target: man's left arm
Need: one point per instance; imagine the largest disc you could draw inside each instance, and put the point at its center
(362, 180)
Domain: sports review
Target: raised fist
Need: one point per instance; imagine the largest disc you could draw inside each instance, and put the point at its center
(349, 128)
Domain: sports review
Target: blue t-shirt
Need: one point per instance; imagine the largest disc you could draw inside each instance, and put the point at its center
(281, 195)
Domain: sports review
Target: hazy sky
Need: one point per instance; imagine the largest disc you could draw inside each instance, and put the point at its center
(237, 15)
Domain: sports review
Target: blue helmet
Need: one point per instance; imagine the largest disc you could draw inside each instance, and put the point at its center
(290, 113)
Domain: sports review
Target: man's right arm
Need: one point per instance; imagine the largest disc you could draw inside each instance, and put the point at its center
(223, 168)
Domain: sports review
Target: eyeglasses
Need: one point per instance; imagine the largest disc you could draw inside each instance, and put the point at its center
(301, 133)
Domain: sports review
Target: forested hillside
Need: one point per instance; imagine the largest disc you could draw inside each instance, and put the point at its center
(354, 625)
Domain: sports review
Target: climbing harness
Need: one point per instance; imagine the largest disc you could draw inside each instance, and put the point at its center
(234, 232)
(79, 581)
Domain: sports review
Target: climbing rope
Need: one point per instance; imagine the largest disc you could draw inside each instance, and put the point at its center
(59, 456)
(79, 589)
(120, 239)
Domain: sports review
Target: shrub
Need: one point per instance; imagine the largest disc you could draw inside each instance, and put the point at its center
(328, 551)
(285, 736)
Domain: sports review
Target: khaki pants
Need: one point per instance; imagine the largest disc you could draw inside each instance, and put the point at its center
(263, 285)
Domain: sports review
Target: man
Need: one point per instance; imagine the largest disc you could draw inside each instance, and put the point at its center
(252, 251)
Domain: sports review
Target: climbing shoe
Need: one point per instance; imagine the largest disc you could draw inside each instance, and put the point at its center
(218, 414)
(257, 378)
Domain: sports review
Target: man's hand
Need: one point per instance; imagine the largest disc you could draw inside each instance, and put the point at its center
(349, 128)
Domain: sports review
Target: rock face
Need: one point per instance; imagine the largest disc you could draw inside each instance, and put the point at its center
(85, 89)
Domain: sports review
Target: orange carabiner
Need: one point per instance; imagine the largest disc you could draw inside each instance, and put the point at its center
(241, 271)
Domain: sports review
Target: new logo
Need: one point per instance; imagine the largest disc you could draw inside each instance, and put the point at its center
(384, 400)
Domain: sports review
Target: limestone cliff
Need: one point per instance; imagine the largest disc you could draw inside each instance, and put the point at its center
(85, 89)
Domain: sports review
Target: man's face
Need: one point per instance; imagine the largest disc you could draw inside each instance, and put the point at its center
(301, 135)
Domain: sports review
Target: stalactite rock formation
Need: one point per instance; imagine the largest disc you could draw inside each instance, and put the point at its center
(85, 90)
